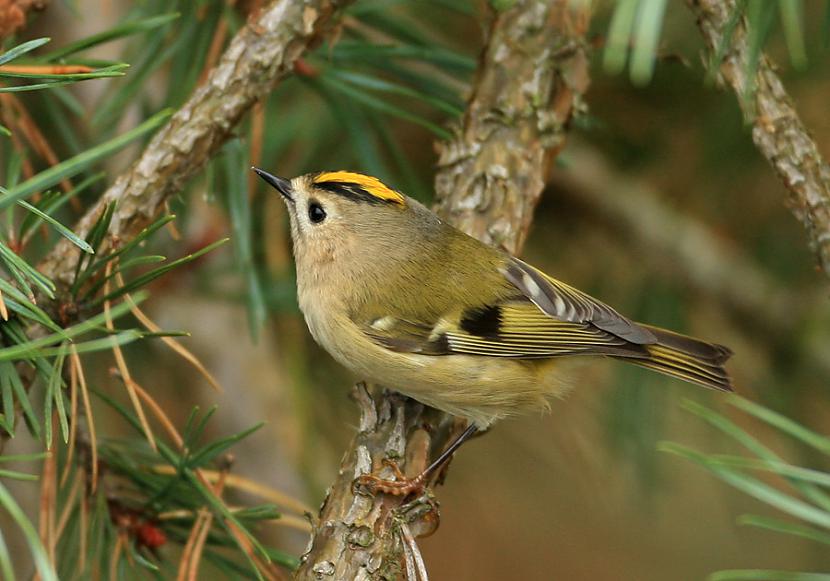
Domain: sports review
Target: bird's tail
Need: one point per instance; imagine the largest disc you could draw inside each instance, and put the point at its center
(686, 358)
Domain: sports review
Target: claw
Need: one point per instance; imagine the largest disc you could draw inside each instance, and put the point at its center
(404, 486)
(401, 486)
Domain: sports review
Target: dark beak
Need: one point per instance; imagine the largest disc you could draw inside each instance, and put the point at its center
(282, 185)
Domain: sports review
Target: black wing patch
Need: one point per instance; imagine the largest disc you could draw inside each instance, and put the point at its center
(484, 322)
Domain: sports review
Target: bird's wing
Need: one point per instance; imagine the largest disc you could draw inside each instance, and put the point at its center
(515, 328)
(543, 318)
(565, 303)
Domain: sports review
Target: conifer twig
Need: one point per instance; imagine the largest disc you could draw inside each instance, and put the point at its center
(261, 53)
(777, 130)
(531, 77)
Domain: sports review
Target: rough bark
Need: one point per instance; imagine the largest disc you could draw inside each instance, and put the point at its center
(263, 52)
(531, 77)
(777, 131)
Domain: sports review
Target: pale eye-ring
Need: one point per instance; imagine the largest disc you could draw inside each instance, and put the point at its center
(316, 213)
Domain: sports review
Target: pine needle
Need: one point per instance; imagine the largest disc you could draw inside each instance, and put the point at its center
(196, 558)
(73, 419)
(122, 368)
(70, 504)
(189, 546)
(267, 569)
(48, 498)
(93, 441)
(46, 69)
(256, 140)
(171, 225)
(199, 545)
(216, 44)
(3, 311)
(283, 520)
(116, 557)
(36, 138)
(156, 410)
(169, 341)
(82, 528)
(238, 482)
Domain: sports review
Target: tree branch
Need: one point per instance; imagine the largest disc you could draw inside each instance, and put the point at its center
(776, 128)
(774, 314)
(679, 242)
(263, 52)
(531, 77)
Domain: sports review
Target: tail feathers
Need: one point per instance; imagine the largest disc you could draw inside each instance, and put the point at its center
(710, 352)
(688, 359)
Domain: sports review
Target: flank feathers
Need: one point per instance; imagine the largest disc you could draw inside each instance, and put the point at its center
(358, 185)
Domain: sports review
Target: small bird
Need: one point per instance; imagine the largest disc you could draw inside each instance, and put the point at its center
(406, 300)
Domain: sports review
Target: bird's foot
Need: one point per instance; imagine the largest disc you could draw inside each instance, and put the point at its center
(400, 486)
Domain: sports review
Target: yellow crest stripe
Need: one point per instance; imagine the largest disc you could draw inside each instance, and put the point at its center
(372, 185)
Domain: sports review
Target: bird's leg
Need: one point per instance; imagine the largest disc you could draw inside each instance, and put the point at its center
(403, 486)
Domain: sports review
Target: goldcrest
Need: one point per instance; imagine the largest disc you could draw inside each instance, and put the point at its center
(403, 299)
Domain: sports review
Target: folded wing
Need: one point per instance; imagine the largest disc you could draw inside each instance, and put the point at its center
(548, 318)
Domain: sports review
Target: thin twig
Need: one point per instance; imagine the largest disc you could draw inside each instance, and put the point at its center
(777, 130)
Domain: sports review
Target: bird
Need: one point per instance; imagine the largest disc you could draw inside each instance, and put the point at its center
(405, 300)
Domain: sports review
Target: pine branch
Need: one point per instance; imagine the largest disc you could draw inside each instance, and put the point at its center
(774, 313)
(777, 130)
(641, 219)
(530, 81)
(263, 52)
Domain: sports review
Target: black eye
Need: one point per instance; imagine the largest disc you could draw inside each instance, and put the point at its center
(316, 213)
